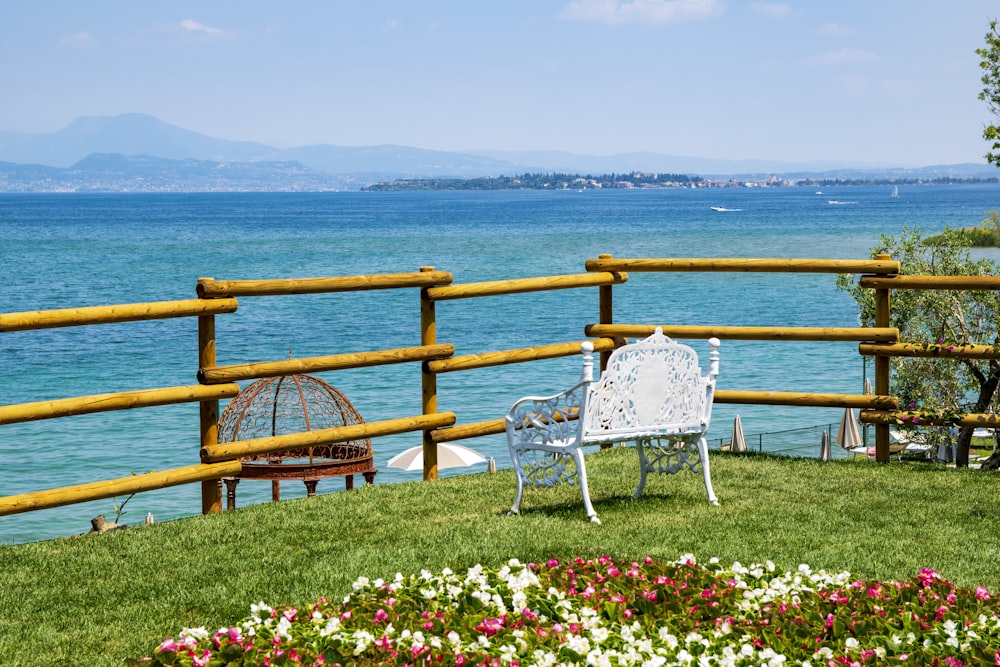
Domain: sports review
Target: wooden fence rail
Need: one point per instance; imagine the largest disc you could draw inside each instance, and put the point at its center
(888, 334)
(266, 369)
(129, 312)
(522, 285)
(125, 400)
(774, 265)
(123, 486)
(209, 288)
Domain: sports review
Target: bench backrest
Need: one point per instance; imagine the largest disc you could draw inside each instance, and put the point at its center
(651, 386)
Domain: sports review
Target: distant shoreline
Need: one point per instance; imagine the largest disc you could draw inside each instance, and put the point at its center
(641, 180)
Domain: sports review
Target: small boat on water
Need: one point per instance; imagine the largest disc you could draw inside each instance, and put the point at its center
(723, 208)
(837, 202)
(895, 192)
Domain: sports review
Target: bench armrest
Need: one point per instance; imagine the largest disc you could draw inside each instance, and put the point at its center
(547, 420)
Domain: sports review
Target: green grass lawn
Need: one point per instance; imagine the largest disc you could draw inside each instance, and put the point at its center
(96, 599)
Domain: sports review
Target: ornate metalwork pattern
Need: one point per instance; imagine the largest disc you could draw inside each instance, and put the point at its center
(647, 385)
(292, 404)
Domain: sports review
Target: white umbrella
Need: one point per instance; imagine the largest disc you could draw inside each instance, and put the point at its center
(824, 447)
(449, 456)
(868, 386)
(849, 435)
(738, 443)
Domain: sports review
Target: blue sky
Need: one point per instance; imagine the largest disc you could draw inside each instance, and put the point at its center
(869, 81)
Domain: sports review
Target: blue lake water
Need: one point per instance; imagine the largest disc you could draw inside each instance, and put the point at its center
(59, 251)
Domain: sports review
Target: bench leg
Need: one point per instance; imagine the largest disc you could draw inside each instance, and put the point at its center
(581, 474)
(673, 465)
(640, 446)
(703, 455)
(519, 474)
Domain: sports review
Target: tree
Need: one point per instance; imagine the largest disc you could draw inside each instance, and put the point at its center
(940, 386)
(990, 65)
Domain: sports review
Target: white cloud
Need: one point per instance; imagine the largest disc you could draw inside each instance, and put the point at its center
(846, 57)
(190, 25)
(77, 39)
(774, 10)
(835, 30)
(636, 11)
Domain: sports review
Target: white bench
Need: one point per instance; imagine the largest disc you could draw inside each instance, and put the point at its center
(653, 393)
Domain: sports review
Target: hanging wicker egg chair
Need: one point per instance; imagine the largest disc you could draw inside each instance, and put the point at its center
(294, 404)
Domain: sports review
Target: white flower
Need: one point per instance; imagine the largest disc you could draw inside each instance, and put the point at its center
(578, 644)
(331, 626)
(543, 659)
(852, 643)
(670, 640)
(360, 584)
(195, 633)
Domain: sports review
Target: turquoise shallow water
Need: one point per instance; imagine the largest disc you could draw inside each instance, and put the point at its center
(59, 251)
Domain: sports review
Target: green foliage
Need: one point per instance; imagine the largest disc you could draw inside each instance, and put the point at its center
(990, 64)
(946, 318)
(986, 235)
(95, 599)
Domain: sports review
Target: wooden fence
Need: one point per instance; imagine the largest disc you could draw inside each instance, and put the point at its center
(219, 297)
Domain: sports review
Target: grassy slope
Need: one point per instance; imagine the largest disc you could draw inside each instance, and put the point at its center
(96, 599)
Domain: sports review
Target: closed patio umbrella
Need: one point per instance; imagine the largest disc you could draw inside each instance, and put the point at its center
(738, 443)
(449, 456)
(849, 435)
(824, 447)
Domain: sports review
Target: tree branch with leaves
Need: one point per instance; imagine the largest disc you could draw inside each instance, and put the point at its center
(939, 317)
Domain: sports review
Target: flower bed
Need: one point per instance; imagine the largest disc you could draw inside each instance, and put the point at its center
(610, 612)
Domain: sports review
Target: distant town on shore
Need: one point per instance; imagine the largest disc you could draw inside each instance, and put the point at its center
(554, 181)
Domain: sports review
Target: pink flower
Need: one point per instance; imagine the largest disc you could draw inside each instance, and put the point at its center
(982, 593)
(381, 615)
(552, 562)
(490, 626)
(168, 645)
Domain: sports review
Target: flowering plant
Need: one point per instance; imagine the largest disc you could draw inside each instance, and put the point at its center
(611, 612)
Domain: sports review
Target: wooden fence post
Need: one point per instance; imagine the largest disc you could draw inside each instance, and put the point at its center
(428, 380)
(882, 317)
(606, 311)
(211, 490)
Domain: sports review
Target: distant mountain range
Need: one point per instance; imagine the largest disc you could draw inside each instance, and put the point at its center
(140, 152)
